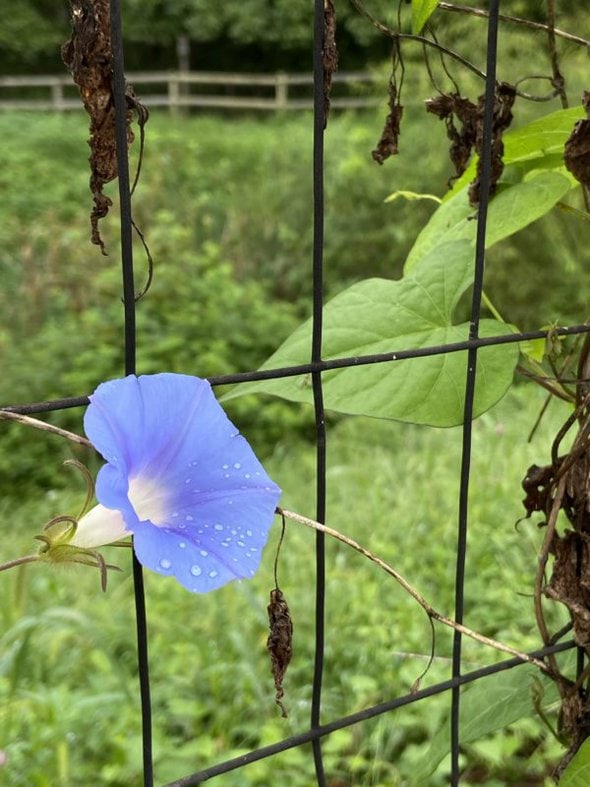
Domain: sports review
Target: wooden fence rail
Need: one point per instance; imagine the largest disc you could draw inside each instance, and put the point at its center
(184, 89)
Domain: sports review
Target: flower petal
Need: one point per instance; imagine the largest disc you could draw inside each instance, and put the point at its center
(98, 527)
(187, 484)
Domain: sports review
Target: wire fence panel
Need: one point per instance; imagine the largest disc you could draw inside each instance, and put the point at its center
(317, 367)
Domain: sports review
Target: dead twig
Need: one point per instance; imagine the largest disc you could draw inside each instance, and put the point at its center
(432, 613)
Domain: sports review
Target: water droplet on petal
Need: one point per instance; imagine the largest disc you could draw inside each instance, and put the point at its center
(233, 532)
(182, 544)
(247, 475)
(164, 563)
(188, 518)
(203, 552)
(213, 574)
(241, 544)
(175, 514)
(226, 475)
(224, 467)
(196, 571)
(218, 527)
(237, 465)
(249, 533)
(187, 480)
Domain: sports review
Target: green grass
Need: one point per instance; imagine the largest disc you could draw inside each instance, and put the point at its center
(68, 678)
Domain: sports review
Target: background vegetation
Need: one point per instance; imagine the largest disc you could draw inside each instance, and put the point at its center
(225, 205)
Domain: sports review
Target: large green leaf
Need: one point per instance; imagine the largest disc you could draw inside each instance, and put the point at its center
(511, 209)
(422, 10)
(577, 773)
(382, 316)
(490, 704)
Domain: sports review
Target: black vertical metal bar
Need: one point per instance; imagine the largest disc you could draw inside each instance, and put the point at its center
(130, 355)
(316, 355)
(485, 179)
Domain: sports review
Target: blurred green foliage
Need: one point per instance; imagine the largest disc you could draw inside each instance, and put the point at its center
(226, 210)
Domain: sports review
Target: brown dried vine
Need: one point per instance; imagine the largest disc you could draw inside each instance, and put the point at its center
(88, 56)
(563, 486)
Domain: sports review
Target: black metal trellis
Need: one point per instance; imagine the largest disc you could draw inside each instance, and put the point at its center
(482, 214)
(317, 367)
(130, 356)
(319, 122)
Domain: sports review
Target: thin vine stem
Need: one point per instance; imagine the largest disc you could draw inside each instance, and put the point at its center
(558, 80)
(19, 561)
(26, 420)
(541, 566)
(399, 36)
(421, 39)
(481, 12)
(432, 613)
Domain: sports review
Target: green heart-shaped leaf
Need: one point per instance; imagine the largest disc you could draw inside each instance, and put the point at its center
(511, 209)
(382, 316)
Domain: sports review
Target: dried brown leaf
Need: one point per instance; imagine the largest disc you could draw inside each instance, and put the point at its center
(329, 54)
(88, 56)
(280, 642)
(388, 142)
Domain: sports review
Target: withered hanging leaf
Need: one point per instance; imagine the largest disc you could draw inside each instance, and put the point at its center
(88, 56)
(388, 143)
(280, 642)
(502, 118)
(576, 153)
(538, 487)
(445, 107)
(329, 54)
(564, 486)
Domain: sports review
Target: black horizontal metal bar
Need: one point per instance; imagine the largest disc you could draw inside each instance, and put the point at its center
(354, 718)
(325, 366)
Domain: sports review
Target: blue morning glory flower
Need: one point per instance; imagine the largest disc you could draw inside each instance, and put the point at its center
(180, 478)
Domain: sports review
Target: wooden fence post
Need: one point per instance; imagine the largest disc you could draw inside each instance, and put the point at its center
(173, 93)
(281, 90)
